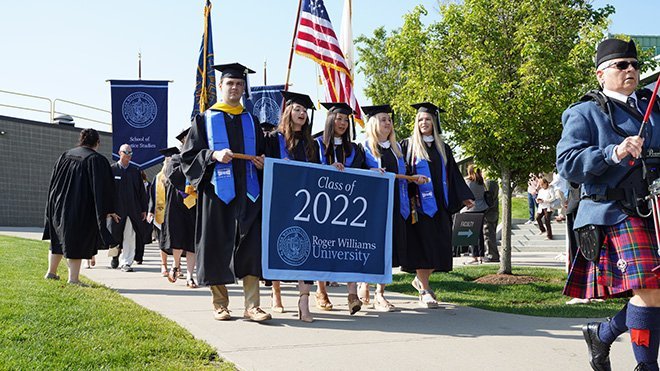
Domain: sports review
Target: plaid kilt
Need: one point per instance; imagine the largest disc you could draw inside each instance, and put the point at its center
(626, 262)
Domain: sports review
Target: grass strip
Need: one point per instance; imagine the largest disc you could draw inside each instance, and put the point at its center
(46, 324)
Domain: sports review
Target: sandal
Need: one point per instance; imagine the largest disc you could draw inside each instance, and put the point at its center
(364, 295)
(163, 270)
(173, 275)
(427, 299)
(354, 304)
(322, 301)
(191, 283)
(416, 283)
(383, 305)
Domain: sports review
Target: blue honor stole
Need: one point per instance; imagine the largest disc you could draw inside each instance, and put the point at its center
(374, 162)
(348, 161)
(223, 174)
(426, 193)
(284, 153)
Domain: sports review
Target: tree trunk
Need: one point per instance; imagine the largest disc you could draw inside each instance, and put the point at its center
(505, 256)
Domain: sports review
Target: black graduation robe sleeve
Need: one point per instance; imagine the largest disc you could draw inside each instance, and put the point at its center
(458, 189)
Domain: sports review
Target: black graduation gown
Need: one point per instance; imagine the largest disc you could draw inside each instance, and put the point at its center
(227, 236)
(337, 154)
(131, 201)
(179, 219)
(429, 240)
(80, 196)
(399, 254)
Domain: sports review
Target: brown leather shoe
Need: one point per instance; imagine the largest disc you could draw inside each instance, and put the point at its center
(599, 352)
(256, 315)
(222, 314)
(354, 304)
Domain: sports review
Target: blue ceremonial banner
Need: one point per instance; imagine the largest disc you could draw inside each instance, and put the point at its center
(327, 225)
(205, 92)
(266, 103)
(139, 118)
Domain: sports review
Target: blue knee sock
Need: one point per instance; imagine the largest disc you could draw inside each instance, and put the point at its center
(644, 324)
(609, 331)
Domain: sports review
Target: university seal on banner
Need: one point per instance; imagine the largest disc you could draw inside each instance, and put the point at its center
(267, 110)
(139, 110)
(293, 246)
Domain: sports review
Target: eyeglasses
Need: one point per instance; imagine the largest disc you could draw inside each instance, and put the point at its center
(623, 65)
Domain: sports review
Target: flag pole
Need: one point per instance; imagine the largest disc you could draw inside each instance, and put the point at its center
(265, 83)
(293, 43)
(139, 65)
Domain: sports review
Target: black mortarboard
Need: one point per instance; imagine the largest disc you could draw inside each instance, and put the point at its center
(374, 110)
(182, 134)
(267, 126)
(432, 109)
(338, 107)
(233, 70)
(168, 152)
(302, 99)
(427, 107)
(615, 48)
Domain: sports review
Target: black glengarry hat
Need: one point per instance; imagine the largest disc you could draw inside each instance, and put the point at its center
(614, 48)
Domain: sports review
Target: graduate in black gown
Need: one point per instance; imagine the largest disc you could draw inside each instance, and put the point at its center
(80, 201)
(132, 205)
(429, 234)
(180, 210)
(336, 149)
(384, 153)
(156, 215)
(228, 221)
(293, 141)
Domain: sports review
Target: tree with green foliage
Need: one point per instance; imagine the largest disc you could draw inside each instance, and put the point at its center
(503, 70)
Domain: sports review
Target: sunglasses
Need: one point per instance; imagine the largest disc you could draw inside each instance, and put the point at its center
(623, 65)
(127, 152)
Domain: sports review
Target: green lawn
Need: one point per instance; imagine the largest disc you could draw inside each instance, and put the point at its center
(519, 208)
(536, 299)
(47, 324)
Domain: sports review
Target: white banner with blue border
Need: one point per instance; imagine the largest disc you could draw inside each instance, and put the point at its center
(327, 225)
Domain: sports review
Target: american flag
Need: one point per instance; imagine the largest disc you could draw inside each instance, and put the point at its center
(316, 39)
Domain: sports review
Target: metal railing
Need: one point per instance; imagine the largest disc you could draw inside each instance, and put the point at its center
(52, 107)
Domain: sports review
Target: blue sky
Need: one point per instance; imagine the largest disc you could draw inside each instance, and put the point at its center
(66, 49)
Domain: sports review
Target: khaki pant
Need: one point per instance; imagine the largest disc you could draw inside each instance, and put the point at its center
(250, 290)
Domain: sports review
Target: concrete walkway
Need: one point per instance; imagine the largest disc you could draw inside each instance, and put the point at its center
(449, 338)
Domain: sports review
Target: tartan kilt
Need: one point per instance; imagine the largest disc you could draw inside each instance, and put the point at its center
(629, 255)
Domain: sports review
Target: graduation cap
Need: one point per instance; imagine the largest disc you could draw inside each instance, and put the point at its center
(374, 110)
(432, 109)
(343, 108)
(267, 127)
(169, 152)
(182, 134)
(233, 70)
(302, 99)
(338, 107)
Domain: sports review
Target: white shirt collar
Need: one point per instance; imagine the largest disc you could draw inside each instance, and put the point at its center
(618, 96)
(338, 141)
(385, 144)
(428, 138)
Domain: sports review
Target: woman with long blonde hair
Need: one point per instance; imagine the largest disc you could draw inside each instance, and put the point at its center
(382, 152)
(293, 141)
(429, 234)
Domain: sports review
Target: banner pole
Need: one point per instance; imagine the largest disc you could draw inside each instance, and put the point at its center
(293, 43)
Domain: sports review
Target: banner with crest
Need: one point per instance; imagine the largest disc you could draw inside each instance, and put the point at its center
(139, 119)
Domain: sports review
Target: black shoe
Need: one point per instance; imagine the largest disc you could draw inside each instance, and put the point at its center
(599, 352)
(115, 262)
(641, 367)
(138, 262)
(126, 268)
